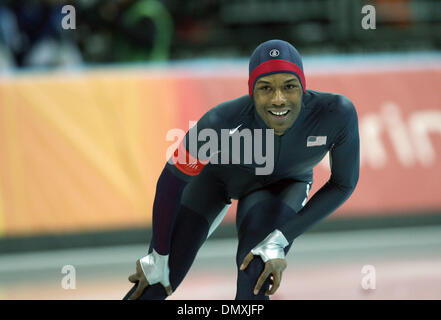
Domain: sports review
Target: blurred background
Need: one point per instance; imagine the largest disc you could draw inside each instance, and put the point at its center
(89, 90)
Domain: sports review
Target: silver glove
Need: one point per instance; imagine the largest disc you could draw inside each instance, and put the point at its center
(155, 267)
(271, 247)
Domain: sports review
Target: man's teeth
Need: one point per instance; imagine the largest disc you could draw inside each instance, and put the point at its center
(279, 113)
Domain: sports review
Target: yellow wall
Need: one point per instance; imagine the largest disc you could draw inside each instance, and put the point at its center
(81, 152)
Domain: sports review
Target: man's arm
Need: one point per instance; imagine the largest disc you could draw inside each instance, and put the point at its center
(345, 166)
(169, 188)
(184, 165)
(181, 168)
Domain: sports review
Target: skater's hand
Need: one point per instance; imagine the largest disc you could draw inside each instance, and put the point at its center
(140, 279)
(273, 268)
(150, 270)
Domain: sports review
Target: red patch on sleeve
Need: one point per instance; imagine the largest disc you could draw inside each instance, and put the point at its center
(186, 163)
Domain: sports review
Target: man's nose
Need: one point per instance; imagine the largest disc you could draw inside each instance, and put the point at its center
(279, 98)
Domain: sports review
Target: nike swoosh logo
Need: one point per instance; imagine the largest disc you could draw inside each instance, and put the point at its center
(235, 129)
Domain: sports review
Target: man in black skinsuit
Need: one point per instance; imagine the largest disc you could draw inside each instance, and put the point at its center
(295, 128)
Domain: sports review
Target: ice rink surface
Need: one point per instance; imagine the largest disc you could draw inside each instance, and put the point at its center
(405, 262)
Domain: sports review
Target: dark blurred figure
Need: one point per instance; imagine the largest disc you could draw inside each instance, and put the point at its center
(9, 38)
(124, 30)
(32, 35)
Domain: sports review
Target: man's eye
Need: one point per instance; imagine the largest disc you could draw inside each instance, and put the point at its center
(291, 86)
(266, 88)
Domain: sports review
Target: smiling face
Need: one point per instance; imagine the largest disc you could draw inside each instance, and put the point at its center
(278, 100)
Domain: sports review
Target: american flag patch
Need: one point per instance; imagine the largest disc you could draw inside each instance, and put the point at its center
(313, 141)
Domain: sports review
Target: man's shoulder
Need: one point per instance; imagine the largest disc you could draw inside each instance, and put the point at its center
(231, 111)
(234, 106)
(329, 102)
